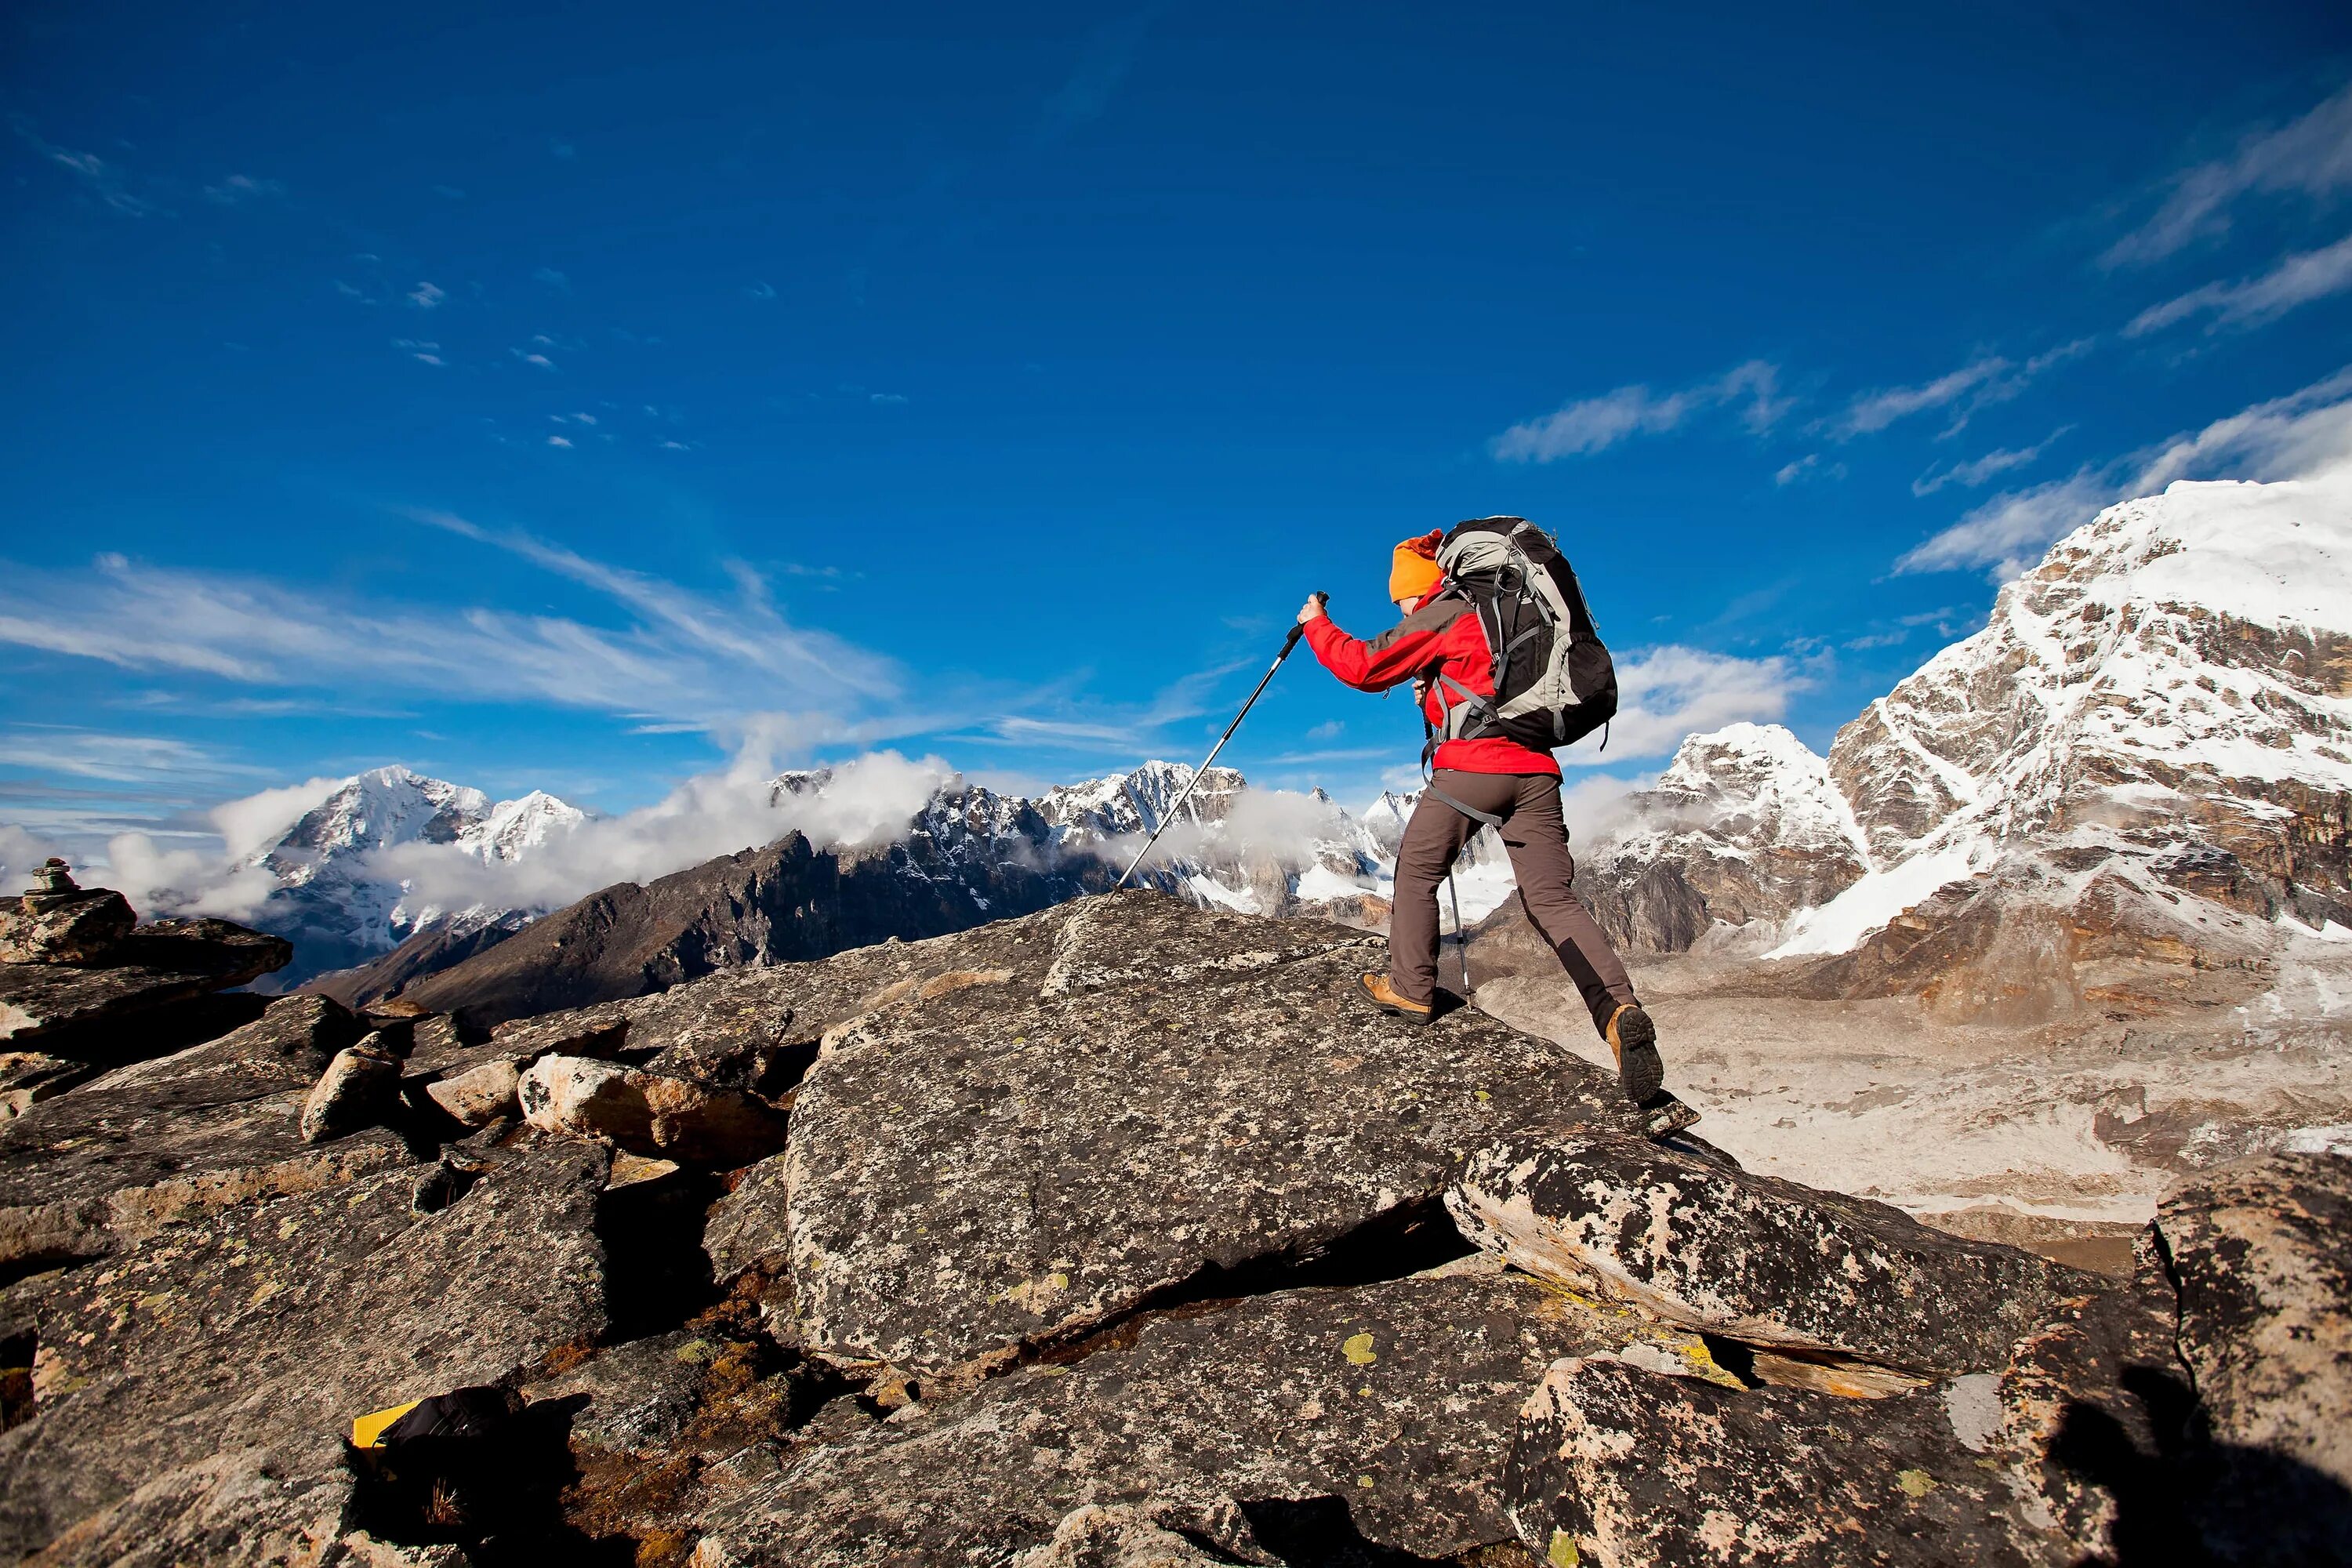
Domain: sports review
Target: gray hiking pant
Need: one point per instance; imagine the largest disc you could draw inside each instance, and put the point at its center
(1537, 837)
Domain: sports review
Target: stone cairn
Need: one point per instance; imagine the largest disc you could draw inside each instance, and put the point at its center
(56, 920)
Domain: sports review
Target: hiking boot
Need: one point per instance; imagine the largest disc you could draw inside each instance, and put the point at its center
(1640, 1070)
(1375, 989)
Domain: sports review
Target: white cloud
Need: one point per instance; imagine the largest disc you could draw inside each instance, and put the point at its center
(676, 654)
(2296, 280)
(870, 801)
(761, 290)
(1979, 383)
(21, 851)
(2311, 157)
(1809, 467)
(1595, 424)
(425, 296)
(102, 179)
(553, 279)
(1666, 693)
(96, 754)
(885, 397)
(559, 441)
(2009, 532)
(242, 187)
(1976, 470)
(542, 361)
(2304, 434)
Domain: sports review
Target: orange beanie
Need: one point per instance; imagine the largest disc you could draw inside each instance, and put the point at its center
(1413, 571)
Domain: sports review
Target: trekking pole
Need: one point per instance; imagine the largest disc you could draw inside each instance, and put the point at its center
(1461, 937)
(1186, 792)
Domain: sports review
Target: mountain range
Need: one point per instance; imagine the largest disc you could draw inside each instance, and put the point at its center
(2142, 764)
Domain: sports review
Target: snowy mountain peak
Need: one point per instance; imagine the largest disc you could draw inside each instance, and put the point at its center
(374, 810)
(511, 829)
(1762, 786)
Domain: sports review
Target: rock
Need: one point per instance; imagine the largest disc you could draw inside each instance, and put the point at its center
(971, 1169)
(162, 1140)
(73, 928)
(750, 1228)
(359, 1086)
(246, 1509)
(481, 1095)
(1753, 1257)
(2087, 1422)
(1626, 1468)
(28, 1077)
(1288, 1426)
(98, 1010)
(647, 1113)
(2261, 1255)
(1096, 1537)
(271, 1325)
(435, 1042)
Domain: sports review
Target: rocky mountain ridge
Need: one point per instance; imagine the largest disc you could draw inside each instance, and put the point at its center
(1112, 1235)
(2143, 762)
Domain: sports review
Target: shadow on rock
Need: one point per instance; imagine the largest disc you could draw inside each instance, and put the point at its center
(494, 1488)
(2195, 1501)
(1320, 1533)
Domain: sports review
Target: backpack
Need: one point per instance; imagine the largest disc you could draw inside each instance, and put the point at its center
(1554, 681)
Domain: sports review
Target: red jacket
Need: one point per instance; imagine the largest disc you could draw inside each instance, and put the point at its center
(1441, 635)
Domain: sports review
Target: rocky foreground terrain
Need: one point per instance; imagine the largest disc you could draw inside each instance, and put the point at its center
(1113, 1235)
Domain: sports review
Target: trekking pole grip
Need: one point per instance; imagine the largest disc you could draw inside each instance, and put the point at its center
(1299, 629)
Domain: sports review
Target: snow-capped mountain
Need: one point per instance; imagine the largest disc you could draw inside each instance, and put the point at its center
(339, 907)
(1744, 825)
(2144, 758)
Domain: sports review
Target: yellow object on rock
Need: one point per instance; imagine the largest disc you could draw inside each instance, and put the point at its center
(368, 1428)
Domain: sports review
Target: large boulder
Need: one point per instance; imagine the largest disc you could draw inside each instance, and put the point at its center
(1626, 1469)
(360, 1087)
(123, 1004)
(1135, 1096)
(161, 1140)
(648, 1113)
(271, 1326)
(2261, 1253)
(79, 927)
(1753, 1257)
(1295, 1426)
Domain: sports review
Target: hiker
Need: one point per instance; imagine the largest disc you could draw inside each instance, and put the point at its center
(1442, 646)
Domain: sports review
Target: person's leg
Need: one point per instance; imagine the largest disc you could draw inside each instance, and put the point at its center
(1432, 839)
(1537, 836)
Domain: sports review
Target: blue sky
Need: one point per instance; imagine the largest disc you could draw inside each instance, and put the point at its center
(556, 397)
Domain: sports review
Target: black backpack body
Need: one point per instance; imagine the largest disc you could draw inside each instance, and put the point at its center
(1554, 681)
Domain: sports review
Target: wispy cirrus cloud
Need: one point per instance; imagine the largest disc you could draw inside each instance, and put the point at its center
(2296, 280)
(2305, 433)
(1978, 470)
(1596, 424)
(427, 296)
(239, 188)
(1809, 467)
(2311, 157)
(1982, 382)
(666, 651)
(108, 183)
(1108, 57)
